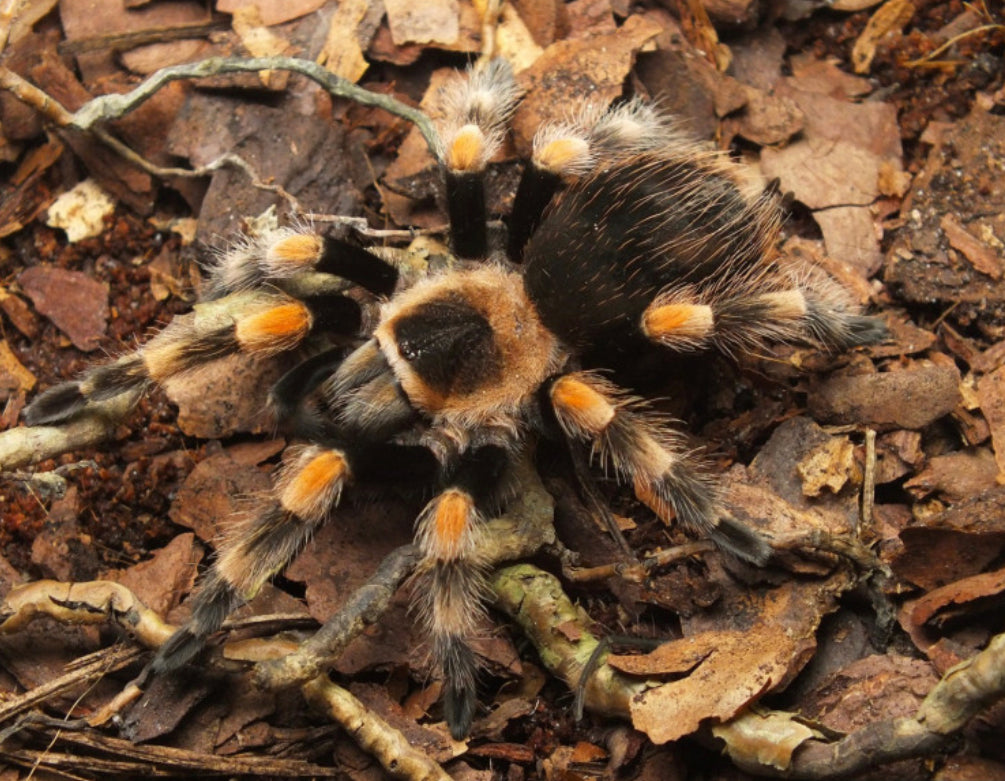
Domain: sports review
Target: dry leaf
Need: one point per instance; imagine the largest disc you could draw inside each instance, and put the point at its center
(75, 302)
(341, 53)
(980, 255)
(991, 393)
(829, 466)
(595, 66)
(744, 663)
(890, 18)
(755, 740)
(431, 21)
(271, 12)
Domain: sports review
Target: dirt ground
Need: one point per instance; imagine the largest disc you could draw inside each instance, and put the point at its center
(876, 472)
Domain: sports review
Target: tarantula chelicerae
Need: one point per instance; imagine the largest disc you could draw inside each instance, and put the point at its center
(625, 240)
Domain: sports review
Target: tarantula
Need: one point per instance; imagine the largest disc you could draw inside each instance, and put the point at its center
(625, 240)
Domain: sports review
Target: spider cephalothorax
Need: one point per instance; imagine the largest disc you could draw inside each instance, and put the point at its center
(625, 240)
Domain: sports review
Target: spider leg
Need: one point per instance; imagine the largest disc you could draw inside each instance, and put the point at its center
(282, 254)
(258, 322)
(747, 312)
(451, 593)
(564, 151)
(476, 111)
(261, 544)
(256, 548)
(643, 450)
(288, 395)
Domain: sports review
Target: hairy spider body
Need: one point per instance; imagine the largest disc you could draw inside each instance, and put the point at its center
(649, 245)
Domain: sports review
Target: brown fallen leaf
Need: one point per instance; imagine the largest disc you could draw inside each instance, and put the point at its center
(161, 581)
(272, 12)
(743, 663)
(834, 167)
(956, 476)
(432, 21)
(878, 686)
(227, 396)
(82, 19)
(595, 66)
(959, 543)
(217, 490)
(74, 301)
(949, 603)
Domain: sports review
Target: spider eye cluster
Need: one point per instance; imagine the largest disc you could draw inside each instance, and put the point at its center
(627, 242)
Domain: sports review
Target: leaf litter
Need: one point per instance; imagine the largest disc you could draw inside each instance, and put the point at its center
(904, 210)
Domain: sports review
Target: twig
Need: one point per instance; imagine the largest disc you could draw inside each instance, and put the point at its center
(7, 10)
(107, 662)
(115, 106)
(868, 483)
(29, 445)
(130, 40)
(367, 604)
(534, 599)
(371, 733)
(130, 759)
(950, 43)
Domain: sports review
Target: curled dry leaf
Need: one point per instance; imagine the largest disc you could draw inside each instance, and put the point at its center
(890, 18)
(951, 603)
(755, 739)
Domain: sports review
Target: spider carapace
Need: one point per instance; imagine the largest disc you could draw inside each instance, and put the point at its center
(625, 238)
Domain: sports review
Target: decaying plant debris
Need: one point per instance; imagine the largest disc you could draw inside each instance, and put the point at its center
(875, 639)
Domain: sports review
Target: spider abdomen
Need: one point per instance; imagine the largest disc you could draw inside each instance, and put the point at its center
(621, 236)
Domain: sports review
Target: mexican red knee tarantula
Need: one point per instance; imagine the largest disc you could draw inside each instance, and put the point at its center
(625, 240)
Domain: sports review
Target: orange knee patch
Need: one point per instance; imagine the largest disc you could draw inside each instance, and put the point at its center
(274, 330)
(300, 249)
(559, 155)
(581, 406)
(467, 150)
(315, 487)
(453, 518)
(671, 322)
